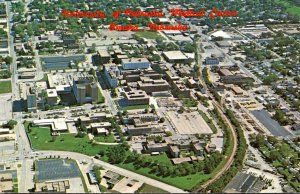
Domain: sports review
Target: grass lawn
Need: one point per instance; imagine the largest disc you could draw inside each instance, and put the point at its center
(183, 182)
(190, 102)
(5, 87)
(41, 139)
(161, 158)
(101, 98)
(132, 107)
(105, 138)
(292, 9)
(149, 35)
(150, 189)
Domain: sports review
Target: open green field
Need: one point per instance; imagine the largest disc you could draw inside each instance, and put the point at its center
(161, 158)
(150, 189)
(41, 139)
(105, 138)
(133, 107)
(291, 8)
(149, 34)
(5, 87)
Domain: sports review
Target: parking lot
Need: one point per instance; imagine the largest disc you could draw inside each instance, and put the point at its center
(6, 107)
(273, 126)
(56, 169)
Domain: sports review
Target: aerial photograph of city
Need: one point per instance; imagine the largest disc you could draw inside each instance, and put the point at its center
(150, 96)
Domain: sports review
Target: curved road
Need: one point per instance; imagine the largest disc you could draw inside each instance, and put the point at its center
(232, 130)
(231, 157)
(127, 173)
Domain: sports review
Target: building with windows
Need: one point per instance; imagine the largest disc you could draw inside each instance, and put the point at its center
(135, 63)
(137, 97)
(85, 89)
(111, 72)
(31, 103)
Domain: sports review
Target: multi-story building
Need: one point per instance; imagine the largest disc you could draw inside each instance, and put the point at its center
(103, 56)
(85, 89)
(135, 63)
(31, 103)
(52, 96)
(111, 72)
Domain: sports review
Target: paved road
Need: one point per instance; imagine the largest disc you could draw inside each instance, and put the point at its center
(127, 173)
(232, 130)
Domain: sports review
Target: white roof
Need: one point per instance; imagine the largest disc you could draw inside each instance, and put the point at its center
(100, 125)
(101, 130)
(51, 93)
(221, 33)
(56, 124)
(173, 55)
(4, 130)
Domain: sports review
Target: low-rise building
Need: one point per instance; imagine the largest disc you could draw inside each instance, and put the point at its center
(6, 183)
(149, 85)
(135, 63)
(56, 186)
(137, 97)
(175, 57)
(4, 131)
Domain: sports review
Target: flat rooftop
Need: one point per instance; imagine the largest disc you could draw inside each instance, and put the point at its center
(273, 126)
(135, 60)
(189, 123)
(175, 55)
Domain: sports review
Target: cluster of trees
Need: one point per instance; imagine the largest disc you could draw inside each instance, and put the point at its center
(270, 79)
(115, 125)
(281, 118)
(183, 169)
(154, 57)
(26, 62)
(3, 34)
(10, 124)
(164, 46)
(226, 131)
(5, 74)
(7, 60)
(237, 164)
(187, 47)
(297, 79)
(206, 77)
(281, 153)
(117, 154)
(259, 55)
(280, 68)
